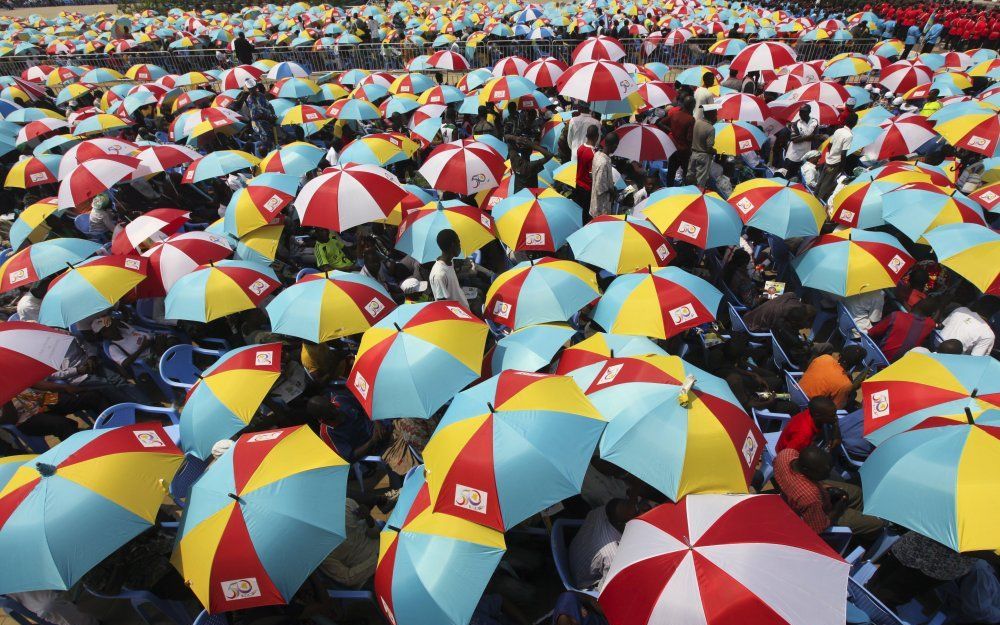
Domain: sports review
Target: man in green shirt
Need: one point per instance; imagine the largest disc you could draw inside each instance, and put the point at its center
(330, 251)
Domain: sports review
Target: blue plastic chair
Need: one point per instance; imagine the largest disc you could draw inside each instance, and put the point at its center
(140, 369)
(846, 325)
(780, 358)
(873, 353)
(305, 271)
(560, 553)
(870, 605)
(82, 223)
(141, 600)
(20, 614)
(180, 487)
(210, 619)
(795, 392)
(130, 413)
(14, 317)
(177, 366)
(359, 472)
(30, 444)
(738, 325)
(838, 537)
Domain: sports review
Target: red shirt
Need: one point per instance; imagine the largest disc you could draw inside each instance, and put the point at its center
(799, 432)
(900, 332)
(807, 498)
(584, 162)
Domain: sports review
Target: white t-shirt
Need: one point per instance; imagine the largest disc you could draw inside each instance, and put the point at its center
(810, 174)
(839, 142)
(444, 283)
(972, 330)
(798, 149)
(28, 307)
(702, 96)
(576, 131)
(865, 308)
(122, 348)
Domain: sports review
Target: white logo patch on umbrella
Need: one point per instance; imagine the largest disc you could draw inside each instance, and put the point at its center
(149, 438)
(880, 404)
(258, 286)
(264, 359)
(683, 314)
(236, 589)
(361, 385)
(470, 498)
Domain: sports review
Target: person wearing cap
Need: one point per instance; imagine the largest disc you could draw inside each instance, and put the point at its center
(702, 146)
(415, 291)
(810, 169)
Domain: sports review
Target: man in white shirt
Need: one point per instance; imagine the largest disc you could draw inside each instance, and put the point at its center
(30, 303)
(968, 325)
(803, 129)
(576, 129)
(865, 309)
(703, 95)
(836, 158)
(443, 279)
(810, 169)
(595, 545)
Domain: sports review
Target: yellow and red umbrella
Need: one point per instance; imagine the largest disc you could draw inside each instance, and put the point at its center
(538, 291)
(90, 287)
(417, 234)
(220, 289)
(851, 261)
(618, 244)
(694, 216)
(601, 347)
(973, 126)
(970, 250)
(775, 205)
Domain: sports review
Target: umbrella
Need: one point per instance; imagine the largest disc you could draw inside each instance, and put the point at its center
(249, 537)
(41, 260)
(918, 207)
(734, 138)
(218, 164)
(323, 307)
(510, 66)
(544, 72)
(711, 556)
(157, 223)
(657, 303)
(527, 349)
(988, 197)
(227, 395)
(448, 60)
(31, 352)
(901, 76)
(775, 205)
(657, 94)
(296, 158)
(416, 358)
(643, 142)
(971, 250)
(93, 177)
(106, 483)
(179, 255)
(154, 159)
(223, 288)
(859, 204)
(743, 107)
(599, 48)
(537, 220)
(30, 225)
(619, 244)
(596, 81)
(33, 171)
(762, 56)
(900, 137)
(850, 261)
(98, 147)
(465, 556)
(689, 214)
(601, 347)
(539, 291)
(937, 479)
(259, 202)
(417, 234)
(90, 287)
(678, 440)
(465, 166)
(510, 447)
(345, 196)
(921, 385)
(973, 126)
(353, 109)
(380, 149)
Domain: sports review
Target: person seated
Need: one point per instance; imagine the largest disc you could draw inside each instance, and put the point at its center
(969, 325)
(803, 478)
(577, 608)
(737, 278)
(771, 313)
(827, 376)
(347, 431)
(914, 566)
(792, 335)
(808, 427)
(901, 331)
(353, 562)
(595, 544)
(330, 251)
(913, 287)
(865, 309)
(753, 385)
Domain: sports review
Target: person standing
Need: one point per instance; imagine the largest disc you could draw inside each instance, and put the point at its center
(602, 193)
(802, 131)
(443, 279)
(584, 157)
(681, 121)
(703, 95)
(836, 158)
(702, 147)
(577, 128)
(244, 49)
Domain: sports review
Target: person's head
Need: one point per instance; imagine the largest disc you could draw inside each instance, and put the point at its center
(321, 234)
(708, 80)
(796, 318)
(621, 511)
(932, 95)
(918, 278)
(733, 73)
(804, 112)
(852, 356)
(950, 346)
(483, 112)
(711, 112)
(822, 410)
(812, 156)
(450, 244)
(815, 463)
(852, 120)
(926, 307)
(593, 134)
(610, 143)
(240, 35)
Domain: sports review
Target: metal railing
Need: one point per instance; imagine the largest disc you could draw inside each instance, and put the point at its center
(395, 57)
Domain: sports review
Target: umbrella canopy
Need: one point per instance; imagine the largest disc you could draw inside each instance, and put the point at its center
(973, 126)
(709, 555)
(93, 177)
(536, 220)
(227, 395)
(259, 202)
(90, 287)
(33, 171)
(738, 137)
(466, 167)
(762, 56)
(596, 81)
(775, 205)
(539, 291)
(972, 251)
(107, 483)
(416, 358)
(689, 214)
(528, 349)
(417, 234)
(921, 385)
(900, 137)
(465, 556)
(218, 164)
(601, 346)
(154, 159)
(220, 289)
(937, 479)
(620, 244)
(379, 149)
(297, 158)
(712, 445)
(179, 255)
(599, 48)
(346, 196)
(510, 447)
(850, 261)
(918, 207)
(657, 303)
(859, 204)
(157, 223)
(248, 537)
(41, 260)
(323, 307)
(643, 142)
(30, 352)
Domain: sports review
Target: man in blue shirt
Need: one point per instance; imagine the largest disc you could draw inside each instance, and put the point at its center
(912, 37)
(933, 36)
(888, 28)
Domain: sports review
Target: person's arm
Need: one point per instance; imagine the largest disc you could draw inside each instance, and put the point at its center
(881, 328)
(983, 346)
(816, 517)
(378, 433)
(143, 344)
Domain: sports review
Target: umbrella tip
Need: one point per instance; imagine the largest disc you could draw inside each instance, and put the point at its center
(45, 470)
(396, 325)
(234, 497)
(969, 417)
(490, 406)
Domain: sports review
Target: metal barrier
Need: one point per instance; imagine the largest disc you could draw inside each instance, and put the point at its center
(394, 57)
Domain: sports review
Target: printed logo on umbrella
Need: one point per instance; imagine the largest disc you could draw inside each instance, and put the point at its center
(19, 275)
(259, 286)
(534, 238)
(846, 215)
(361, 385)
(458, 312)
(745, 205)
(975, 141)
(483, 219)
(989, 197)
(500, 94)
(264, 359)
(610, 374)
(39, 177)
(374, 307)
(265, 436)
(477, 179)
(501, 309)
(683, 314)
(749, 447)
(149, 438)
(388, 612)
(896, 263)
(880, 404)
(273, 203)
(662, 252)
(746, 144)
(236, 589)
(470, 498)
(132, 263)
(688, 230)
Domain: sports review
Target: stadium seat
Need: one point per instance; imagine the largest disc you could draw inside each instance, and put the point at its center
(560, 553)
(129, 413)
(141, 601)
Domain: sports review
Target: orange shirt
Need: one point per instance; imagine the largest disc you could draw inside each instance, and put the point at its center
(824, 377)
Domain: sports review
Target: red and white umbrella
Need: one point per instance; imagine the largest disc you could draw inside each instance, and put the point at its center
(599, 48)
(237, 77)
(93, 148)
(29, 353)
(743, 107)
(596, 81)
(349, 195)
(157, 223)
(510, 66)
(722, 559)
(39, 129)
(446, 59)
(545, 72)
(802, 69)
(762, 56)
(786, 111)
(784, 84)
(902, 76)
(652, 42)
(657, 93)
(178, 256)
(154, 159)
(826, 92)
(94, 177)
(464, 167)
(677, 37)
(643, 142)
(957, 60)
(900, 137)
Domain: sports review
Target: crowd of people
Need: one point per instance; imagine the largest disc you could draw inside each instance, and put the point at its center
(465, 186)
